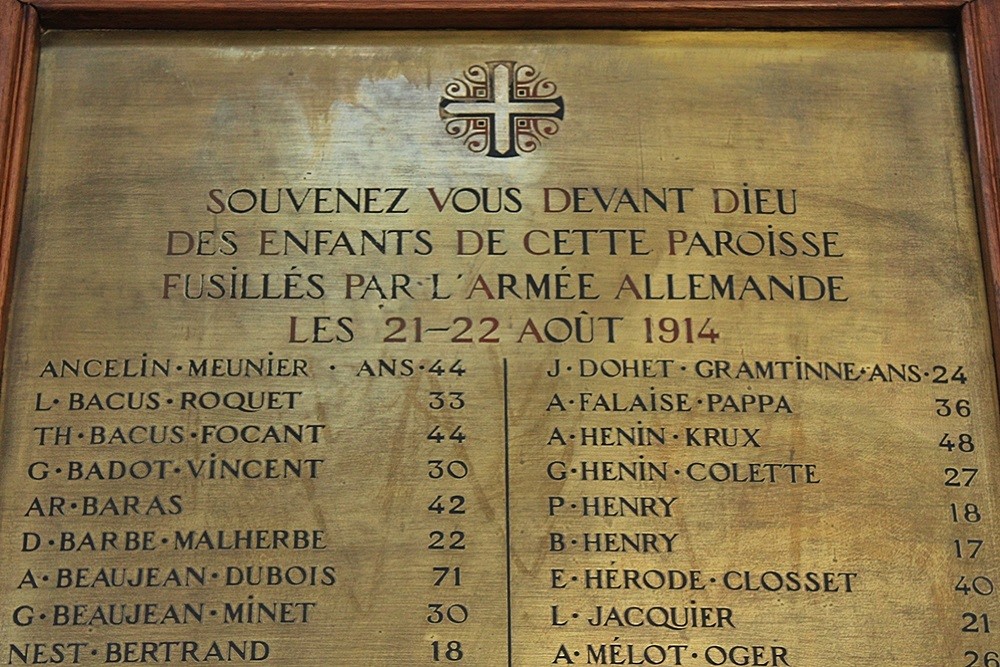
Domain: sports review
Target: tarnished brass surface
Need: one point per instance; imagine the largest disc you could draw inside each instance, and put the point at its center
(689, 366)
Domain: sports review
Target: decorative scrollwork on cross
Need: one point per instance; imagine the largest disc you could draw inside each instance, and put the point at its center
(501, 109)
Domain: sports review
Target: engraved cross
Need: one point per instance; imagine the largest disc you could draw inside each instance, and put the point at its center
(503, 108)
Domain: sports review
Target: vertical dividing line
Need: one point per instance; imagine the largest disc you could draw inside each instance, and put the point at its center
(506, 471)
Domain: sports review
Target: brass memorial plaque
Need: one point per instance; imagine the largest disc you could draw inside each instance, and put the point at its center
(586, 348)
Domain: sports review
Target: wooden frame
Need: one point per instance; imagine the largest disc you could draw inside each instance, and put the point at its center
(976, 23)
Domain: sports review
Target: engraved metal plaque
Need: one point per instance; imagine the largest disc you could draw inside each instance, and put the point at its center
(490, 349)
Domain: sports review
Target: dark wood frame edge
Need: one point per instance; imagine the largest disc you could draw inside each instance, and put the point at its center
(19, 46)
(505, 14)
(977, 23)
(980, 50)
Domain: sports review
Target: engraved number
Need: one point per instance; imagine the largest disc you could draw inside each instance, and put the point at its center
(454, 505)
(968, 548)
(451, 652)
(967, 513)
(440, 541)
(977, 585)
(979, 623)
(946, 407)
(453, 613)
(455, 469)
(960, 476)
(448, 576)
(986, 659)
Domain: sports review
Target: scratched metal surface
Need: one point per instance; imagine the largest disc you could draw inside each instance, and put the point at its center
(143, 144)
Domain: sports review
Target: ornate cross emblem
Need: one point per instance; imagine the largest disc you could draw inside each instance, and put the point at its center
(501, 108)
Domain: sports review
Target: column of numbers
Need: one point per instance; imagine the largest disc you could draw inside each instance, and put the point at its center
(969, 543)
(447, 470)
